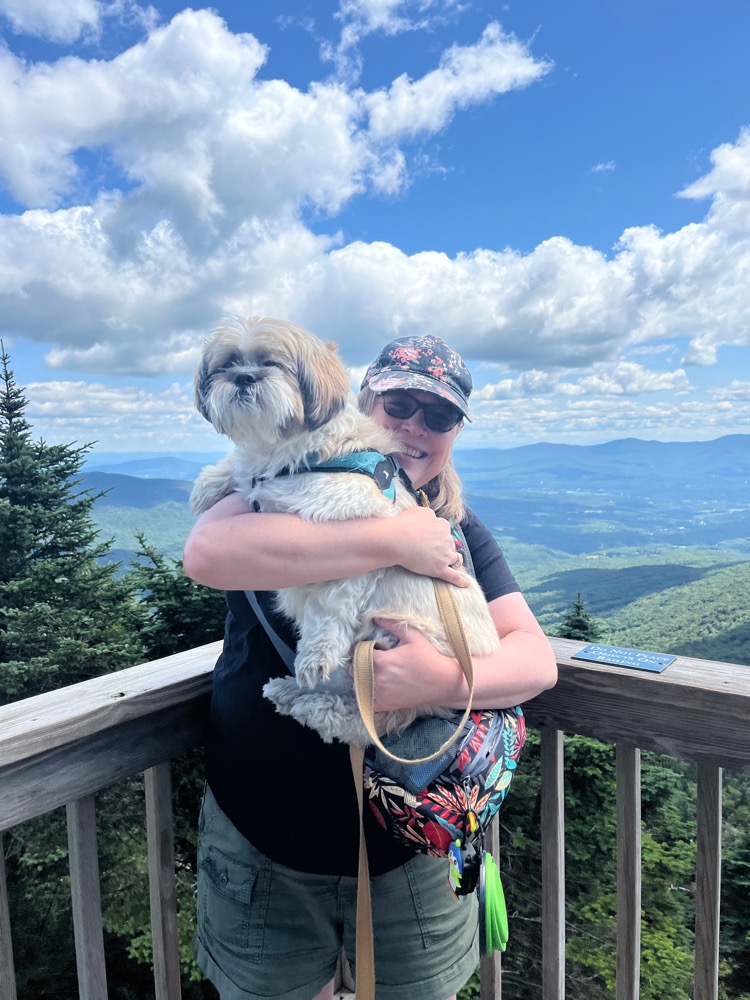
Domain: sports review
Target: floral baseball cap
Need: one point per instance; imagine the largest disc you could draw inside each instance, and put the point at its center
(422, 363)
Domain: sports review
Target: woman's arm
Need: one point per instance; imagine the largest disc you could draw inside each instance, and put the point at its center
(414, 673)
(232, 548)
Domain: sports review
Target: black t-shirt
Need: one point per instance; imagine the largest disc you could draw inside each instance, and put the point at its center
(289, 793)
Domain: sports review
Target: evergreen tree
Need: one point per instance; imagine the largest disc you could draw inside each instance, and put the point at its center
(578, 623)
(64, 617)
(735, 912)
(179, 613)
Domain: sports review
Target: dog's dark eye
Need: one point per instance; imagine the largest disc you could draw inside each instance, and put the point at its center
(233, 361)
(268, 364)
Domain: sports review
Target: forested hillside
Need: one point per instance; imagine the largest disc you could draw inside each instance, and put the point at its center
(656, 536)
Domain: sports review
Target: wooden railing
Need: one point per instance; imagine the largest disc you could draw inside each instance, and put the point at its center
(61, 748)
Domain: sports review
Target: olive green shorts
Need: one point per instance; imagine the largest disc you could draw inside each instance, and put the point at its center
(268, 931)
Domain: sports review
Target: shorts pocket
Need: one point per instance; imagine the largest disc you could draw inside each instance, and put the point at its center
(232, 899)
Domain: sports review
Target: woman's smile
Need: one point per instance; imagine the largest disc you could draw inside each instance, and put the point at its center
(424, 453)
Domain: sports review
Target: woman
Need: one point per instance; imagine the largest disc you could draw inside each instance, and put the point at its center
(279, 825)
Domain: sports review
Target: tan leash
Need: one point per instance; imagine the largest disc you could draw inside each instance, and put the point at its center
(364, 691)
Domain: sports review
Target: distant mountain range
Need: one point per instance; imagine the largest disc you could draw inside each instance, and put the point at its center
(727, 456)
(571, 498)
(184, 467)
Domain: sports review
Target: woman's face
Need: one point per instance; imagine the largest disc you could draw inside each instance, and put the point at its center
(424, 452)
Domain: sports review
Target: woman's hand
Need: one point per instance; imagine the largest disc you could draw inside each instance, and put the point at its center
(415, 673)
(405, 674)
(426, 545)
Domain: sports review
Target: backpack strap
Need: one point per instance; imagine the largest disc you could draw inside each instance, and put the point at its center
(286, 652)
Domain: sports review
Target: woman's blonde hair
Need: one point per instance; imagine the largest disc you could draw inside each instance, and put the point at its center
(444, 491)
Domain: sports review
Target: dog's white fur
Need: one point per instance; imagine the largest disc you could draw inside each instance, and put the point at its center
(282, 395)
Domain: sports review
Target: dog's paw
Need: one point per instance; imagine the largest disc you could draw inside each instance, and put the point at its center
(332, 716)
(283, 692)
(311, 669)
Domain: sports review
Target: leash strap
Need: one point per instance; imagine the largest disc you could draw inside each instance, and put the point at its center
(363, 688)
(365, 941)
(364, 683)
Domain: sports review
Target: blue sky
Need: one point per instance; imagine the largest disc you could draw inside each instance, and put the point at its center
(560, 190)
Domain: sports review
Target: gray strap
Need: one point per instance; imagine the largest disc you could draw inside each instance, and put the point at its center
(286, 653)
(468, 563)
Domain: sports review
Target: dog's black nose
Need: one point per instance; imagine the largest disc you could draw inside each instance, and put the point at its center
(244, 379)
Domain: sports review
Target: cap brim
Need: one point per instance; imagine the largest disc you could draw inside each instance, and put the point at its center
(415, 380)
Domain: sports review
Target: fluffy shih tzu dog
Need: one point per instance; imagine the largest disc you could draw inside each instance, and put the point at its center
(284, 400)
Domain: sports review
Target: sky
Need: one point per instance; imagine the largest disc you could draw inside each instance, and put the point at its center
(558, 188)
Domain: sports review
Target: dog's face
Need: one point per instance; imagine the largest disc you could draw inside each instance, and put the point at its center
(263, 380)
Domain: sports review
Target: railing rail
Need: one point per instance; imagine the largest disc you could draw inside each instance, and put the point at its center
(62, 747)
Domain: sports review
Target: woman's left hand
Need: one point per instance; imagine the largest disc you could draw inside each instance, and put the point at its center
(415, 673)
(410, 673)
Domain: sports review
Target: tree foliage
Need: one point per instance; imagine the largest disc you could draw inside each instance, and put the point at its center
(578, 624)
(179, 613)
(64, 617)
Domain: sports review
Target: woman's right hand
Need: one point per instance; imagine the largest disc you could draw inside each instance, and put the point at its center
(427, 546)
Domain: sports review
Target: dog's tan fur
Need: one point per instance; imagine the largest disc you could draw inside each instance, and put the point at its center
(281, 395)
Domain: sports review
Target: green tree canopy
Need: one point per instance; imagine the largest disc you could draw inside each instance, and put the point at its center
(64, 616)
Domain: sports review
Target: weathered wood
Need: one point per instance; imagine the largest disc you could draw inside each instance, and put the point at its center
(628, 872)
(7, 971)
(86, 899)
(553, 865)
(67, 715)
(663, 712)
(39, 784)
(67, 744)
(707, 883)
(490, 968)
(161, 880)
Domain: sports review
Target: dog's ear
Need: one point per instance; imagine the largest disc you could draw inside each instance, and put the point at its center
(324, 386)
(202, 381)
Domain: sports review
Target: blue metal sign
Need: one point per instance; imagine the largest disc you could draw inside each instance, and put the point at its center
(620, 656)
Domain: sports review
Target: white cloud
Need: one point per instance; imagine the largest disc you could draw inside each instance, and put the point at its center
(729, 179)
(115, 418)
(153, 108)
(586, 421)
(629, 379)
(622, 378)
(736, 390)
(604, 168)
(217, 167)
(360, 18)
(466, 75)
(68, 21)
(52, 19)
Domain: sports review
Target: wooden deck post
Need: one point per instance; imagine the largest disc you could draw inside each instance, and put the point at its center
(708, 883)
(553, 865)
(161, 881)
(86, 899)
(7, 972)
(628, 872)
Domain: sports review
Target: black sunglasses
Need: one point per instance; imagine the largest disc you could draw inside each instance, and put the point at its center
(440, 417)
